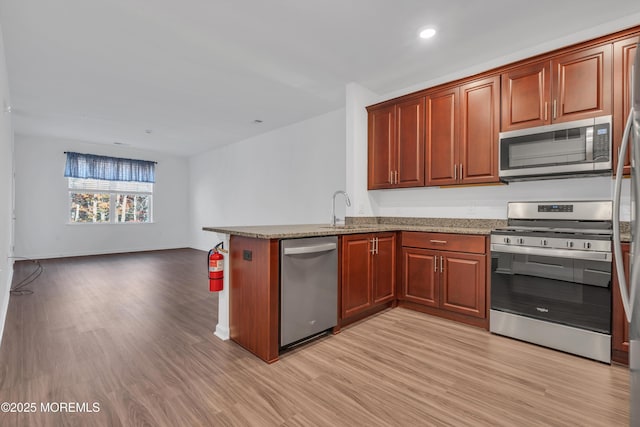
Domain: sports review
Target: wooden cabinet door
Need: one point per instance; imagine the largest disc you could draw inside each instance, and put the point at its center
(480, 124)
(620, 326)
(356, 273)
(526, 93)
(442, 137)
(463, 284)
(381, 146)
(581, 84)
(624, 53)
(410, 119)
(384, 268)
(420, 276)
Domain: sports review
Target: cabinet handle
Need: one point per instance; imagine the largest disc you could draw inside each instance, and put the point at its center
(546, 110)
(461, 175)
(455, 172)
(396, 174)
(374, 246)
(391, 177)
(377, 245)
(439, 242)
(441, 264)
(555, 110)
(435, 264)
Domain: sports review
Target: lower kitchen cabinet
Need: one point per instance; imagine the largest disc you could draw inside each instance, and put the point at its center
(368, 272)
(619, 324)
(462, 285)
(445, 275)
(420, 278)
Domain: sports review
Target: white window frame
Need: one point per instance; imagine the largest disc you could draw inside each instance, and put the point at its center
(113, 188)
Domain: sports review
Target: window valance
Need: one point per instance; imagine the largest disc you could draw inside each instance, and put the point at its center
(108, 168)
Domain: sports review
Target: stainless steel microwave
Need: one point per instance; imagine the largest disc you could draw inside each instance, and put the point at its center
(581, 147)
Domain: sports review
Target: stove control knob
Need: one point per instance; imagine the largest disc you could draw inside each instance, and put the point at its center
(544, 242)
(507, 240)
(521, 241)
(569, 244)
(587, 245)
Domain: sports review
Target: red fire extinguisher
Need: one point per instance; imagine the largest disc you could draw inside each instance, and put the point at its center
(216, 268)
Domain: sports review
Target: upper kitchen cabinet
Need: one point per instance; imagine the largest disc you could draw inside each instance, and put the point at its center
(571, 86)
(410, 143)
(624, 53)
(525, 96)
(396, 144)
(381, 146)
(480, 125)
(462, 133)
(442, 137)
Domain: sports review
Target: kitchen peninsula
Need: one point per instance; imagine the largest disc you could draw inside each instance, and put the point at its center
(368, 281)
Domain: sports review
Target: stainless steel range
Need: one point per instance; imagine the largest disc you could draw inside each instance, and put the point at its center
(551, 276)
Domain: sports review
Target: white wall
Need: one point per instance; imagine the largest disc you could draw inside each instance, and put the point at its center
(42, 209)
(286, 176)
(6, 190)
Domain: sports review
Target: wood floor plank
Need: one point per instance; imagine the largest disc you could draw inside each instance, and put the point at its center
(134, 332)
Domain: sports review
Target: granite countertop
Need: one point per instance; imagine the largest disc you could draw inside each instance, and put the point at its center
(365, 225)
(356, 225)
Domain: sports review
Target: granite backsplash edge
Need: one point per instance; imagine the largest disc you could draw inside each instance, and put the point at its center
(429, 222)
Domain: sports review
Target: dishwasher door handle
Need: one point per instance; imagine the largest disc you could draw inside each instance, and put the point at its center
(311, 249)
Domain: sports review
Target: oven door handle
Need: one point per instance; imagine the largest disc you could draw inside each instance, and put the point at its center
(551, 252)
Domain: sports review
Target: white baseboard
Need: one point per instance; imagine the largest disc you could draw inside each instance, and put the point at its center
(5, 300)
(222, 333)
(90, 253)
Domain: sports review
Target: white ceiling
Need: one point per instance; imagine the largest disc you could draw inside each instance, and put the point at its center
(199, 72)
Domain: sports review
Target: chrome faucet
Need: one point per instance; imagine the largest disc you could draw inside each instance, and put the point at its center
(333, 211)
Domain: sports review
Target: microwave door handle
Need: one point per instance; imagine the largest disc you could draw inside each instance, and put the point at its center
(589, 143)
(617, 245)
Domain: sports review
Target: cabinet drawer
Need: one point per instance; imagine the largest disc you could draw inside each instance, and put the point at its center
(472, 243)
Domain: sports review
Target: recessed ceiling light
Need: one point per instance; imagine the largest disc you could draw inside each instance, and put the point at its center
(257, 121)
(148, 131)
(427, 33)
(119, 143)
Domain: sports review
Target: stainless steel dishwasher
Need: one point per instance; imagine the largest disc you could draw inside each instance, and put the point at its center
(308, 287)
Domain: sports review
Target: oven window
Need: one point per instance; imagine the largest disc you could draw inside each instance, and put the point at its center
(560, 290)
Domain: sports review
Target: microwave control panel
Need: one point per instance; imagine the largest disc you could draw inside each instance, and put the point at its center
(601, 142)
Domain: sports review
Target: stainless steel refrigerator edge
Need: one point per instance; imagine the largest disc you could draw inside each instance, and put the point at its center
(631, 299)
(308, 287)
(634, 335)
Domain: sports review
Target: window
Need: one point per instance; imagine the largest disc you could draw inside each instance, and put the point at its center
(100, 201)
(109, 190)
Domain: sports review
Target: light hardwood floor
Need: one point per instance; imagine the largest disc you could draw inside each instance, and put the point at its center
(133, 332)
